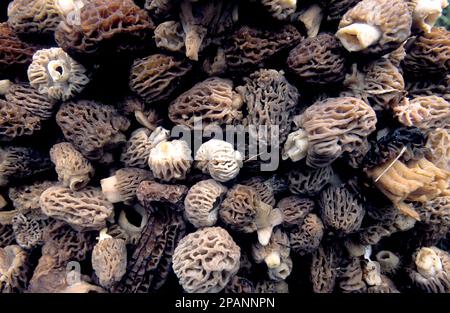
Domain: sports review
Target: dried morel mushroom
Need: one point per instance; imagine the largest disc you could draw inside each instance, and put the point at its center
(425, 113)
(428, 87)
(151, 261)
(434, 216)
(26, 97)
(205, 261)
(340, 210)
(170, 160)
(243, 210)
(438, 143)
(270, 100)
(425, 13)
(21, 162)
(351, 277)
(211, 101)
(86, 209)
(264, 189)
(106, 28)
(250, 47)
(201, 205)
(15, 121)
(55, 74)
(109, 259)
(153, 195)
(307, 181)
(169, 35)
(280, 9)
(157, 76)
(239, 284)
(35, 17)
(378, 83)
(295, 209)
(275, 255)
(25, 198)
(91, 127)
(431, 270)
(14, 269)
(121, 187)
(28, 230)
(306, 237)
(14, 53)
(375, 26)
(319, 60)
(325, 261)
(218, 159)
(73, 170)
(336, 126)
(429, 54)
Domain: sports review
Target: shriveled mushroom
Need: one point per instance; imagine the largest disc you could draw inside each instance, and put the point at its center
(170, 160)
(271, 101)
(169, 35)
(218, 159)
(238, 285)
(14, 53)
(340, 211)
(109, 259)
(325, 261)
(319, 60)
(205, 261)
(306, 237)
(154, 252)
(243, 211)
(14, 269)
(425, 113)
(266, 189)
(275, 255)
(431, 270)
(73, 170)
(295, 209)
(91, 127)
(25, 198)
(211, 101)
(201, 205)
(55, 74)
(307, 181)
(87, 209)
(330, 134)
(156, 77)
(434, 216)
(28, 230)
(351, 278)
(375, 26)
(20, 162)
(121, 187)
(16, 122)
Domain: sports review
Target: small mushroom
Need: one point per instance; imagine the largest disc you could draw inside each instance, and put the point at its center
(122, 186)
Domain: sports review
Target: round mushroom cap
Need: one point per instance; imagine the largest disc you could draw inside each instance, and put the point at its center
(170, 160)
(109, 260)
(206, 260)
(202, 203)
(295, 209)
(306, 237)
(318, 60)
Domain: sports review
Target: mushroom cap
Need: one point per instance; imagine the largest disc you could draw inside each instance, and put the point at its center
(170, 160)
(151, 195)
(201, 205)
(15, 54)
(306, 237)
(25, 198)
(28, 230)
(109, 260)
(438, 143)
(295, 209)
(205, 261)
(325, 261)
(86, 209)
(169, 35)
(16, 122)
(122, 186)
(308, 181)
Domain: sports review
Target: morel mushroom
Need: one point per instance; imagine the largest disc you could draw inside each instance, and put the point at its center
(169, 35)
(20, 163)
(14, 269)
(425, 13)
(242, 210)
(109, 259)
(307, 181)
(55, 74)
(430, 272)
(219, 159)
(28, 230)
(122, 186)
(170, 160)
(16, 121)
(25, 198)
(107, 28)
(271, 101)
(389, 262)
(91, 127)
(211, 101)
(201, 205)
(325, 261)
(319, 60)
(132, 221)
(156, 77)
(86, 209)
(14, 53)
(306, 237)
(375, 26)
(73, 170)
(206, 260)
(265, 189)
(295, 209)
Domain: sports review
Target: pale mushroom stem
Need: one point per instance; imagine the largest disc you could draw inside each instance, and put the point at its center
(312, 18)
(142, 119)
(109, 189)
(77, 183)
(4, 86)
(428, 262)
(358, 36)
(104, 235)
(273, 260)
(426, 13)
(3, 202)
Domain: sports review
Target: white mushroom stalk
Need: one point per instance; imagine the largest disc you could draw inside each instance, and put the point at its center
(312, 18)
(296, 146)
(358, 36)
(273, 260)
(428, 262)
(128, 227)
(109, 189)
(103, 235)
(4, 86)
(427, 12)
(266, 219)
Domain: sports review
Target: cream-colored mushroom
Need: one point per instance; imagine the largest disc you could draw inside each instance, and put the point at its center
(296, 146)
(358, 36)
(428, 262)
